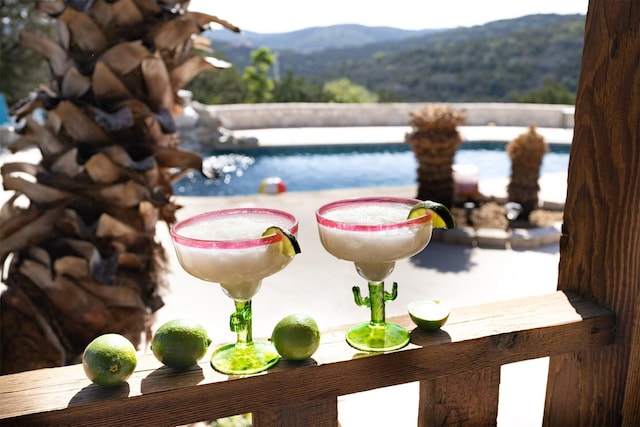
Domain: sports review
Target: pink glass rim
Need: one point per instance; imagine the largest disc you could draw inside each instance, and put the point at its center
(231, 244)
(350, 226)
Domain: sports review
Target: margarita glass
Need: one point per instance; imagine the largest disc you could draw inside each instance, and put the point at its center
(374, 233)
(228, 247)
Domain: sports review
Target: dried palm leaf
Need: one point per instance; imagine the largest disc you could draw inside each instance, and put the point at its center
(74, 84)
(149, 214)
(48, 143)
(16, 299)
(148, 7)
(127, 194)
(115, 296)
(102, 170)
(20, 168)
(204, 21)
(185, 72)
(42, 98)
(59, 61)
(72, 266)
(80, 127)
(37, 193)
(201, 43)
(158, 84)
(124, 58)
(181, 159)
(13, 218)
(116, 16)
(85, 33)
(106, 86)
(120, 233)
(108, 226)
(80, 305)
(37, 230)
(67, 164)
(119, 156)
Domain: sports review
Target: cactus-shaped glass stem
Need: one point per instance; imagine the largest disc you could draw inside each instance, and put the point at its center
(244, 356)
(240, 323)
(377, 334)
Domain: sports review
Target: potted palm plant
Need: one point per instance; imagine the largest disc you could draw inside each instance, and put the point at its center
(434, 139)
(526, 152)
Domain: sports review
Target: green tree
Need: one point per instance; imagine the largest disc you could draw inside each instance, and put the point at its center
(259, 85)
(21, 70)
(343, 90)
(550, 93)
(292, 88)
(224, 87)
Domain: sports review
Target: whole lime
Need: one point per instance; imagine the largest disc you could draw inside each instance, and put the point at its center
(109, 360)
(429, 315)
(180, 343)
(296, 337)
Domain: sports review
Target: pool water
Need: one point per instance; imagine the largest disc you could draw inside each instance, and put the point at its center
(331, 167)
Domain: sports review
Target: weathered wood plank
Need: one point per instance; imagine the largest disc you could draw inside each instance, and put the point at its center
(317, 413)
(466, 399)
(600, 246)
(475, 338)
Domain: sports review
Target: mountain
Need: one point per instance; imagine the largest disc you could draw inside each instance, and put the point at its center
(316, 39)
(482, 63)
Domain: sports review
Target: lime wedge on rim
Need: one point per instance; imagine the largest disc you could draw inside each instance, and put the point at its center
(429, 315)
(441, 215)
(289, 243)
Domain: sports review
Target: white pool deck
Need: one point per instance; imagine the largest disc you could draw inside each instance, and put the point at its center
(319, 285)
(389, 134)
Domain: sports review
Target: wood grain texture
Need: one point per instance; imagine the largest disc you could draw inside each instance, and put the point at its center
(600, 246)
(474, 339)
(466, 399)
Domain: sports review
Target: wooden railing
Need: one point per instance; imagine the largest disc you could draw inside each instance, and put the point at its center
(458, 369)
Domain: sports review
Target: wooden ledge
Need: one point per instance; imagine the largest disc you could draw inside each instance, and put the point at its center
(473, 339)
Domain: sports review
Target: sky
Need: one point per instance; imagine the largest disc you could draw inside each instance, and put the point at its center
(279, 16)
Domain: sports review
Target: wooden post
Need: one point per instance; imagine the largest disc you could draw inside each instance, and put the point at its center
(466, 399)
(600, 246)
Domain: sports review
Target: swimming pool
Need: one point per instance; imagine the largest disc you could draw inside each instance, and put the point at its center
(344, 166)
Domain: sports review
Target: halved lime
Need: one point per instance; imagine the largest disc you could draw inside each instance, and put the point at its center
(429, 315)
(442, 217)
(290, 245)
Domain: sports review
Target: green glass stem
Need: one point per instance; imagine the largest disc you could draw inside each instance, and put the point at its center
(240, 323)
(377, 334)
(376, 300)
(244, 357)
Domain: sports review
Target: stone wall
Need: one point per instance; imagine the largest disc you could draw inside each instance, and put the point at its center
(205, 127)
(263, 116)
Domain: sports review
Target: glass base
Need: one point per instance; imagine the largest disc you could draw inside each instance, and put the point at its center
(383, 337)
(244, 360)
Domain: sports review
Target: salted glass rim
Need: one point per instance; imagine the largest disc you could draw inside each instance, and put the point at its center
(352, 226)
(231, 244)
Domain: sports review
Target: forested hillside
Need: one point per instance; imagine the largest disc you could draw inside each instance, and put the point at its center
(315, 39)
(493, 62)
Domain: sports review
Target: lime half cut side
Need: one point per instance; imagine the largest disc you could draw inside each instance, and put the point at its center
(429, 315)
(441, 215)
(290, 245)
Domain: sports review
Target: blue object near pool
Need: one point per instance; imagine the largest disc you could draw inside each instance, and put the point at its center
(343, 166)
(4, 111)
